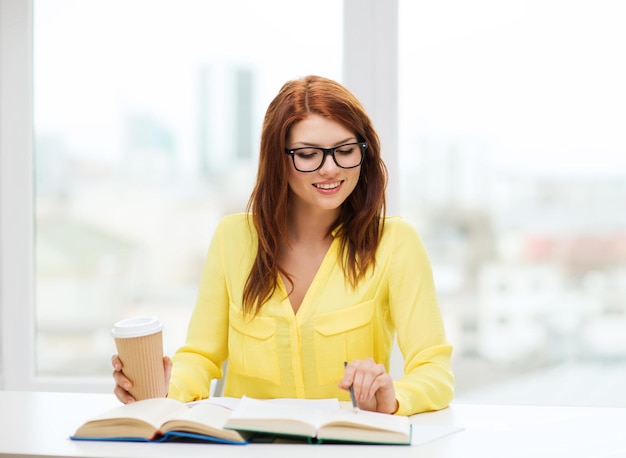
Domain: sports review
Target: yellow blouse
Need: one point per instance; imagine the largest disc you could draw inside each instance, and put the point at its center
(282, 354)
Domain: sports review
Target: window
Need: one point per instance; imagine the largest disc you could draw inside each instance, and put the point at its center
(513, 168)
(146, 121)
(95, 152)
(146, 130)
(510, 164)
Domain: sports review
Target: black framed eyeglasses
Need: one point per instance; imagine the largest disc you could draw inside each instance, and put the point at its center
(310, 158)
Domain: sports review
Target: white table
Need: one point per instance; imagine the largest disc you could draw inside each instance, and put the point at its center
(38, 425)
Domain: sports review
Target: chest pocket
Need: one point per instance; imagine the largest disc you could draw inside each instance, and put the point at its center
(343, 335)
(252, 348)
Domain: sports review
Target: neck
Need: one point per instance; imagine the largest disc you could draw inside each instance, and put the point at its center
(312, 226)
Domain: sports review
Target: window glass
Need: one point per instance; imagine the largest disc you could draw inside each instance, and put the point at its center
(147, 119)
(513, 167)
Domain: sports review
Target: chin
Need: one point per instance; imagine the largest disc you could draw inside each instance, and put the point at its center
(331, 206)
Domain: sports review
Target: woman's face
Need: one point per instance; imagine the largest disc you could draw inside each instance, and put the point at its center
(329, 186)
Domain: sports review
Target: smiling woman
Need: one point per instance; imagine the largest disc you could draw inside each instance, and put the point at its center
(319, 279)
(511, 167)
(331, 178)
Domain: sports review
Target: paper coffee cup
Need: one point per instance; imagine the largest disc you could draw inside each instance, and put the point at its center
(139, 343)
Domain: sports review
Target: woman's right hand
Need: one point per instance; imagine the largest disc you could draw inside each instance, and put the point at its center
(123, 384)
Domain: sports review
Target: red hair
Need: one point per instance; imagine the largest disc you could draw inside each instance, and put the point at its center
(360, 221)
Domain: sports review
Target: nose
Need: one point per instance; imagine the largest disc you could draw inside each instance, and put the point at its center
(328, 165)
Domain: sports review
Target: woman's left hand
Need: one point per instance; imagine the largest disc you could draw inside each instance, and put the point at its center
(373, 386)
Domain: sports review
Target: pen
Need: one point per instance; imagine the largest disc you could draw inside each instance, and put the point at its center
(355, 407)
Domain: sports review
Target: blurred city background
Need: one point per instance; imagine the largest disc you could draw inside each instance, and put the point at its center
(512, 166)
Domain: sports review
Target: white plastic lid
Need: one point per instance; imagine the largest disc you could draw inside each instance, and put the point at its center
(136, 327)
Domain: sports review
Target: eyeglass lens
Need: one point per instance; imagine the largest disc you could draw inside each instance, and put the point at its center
(345, 156)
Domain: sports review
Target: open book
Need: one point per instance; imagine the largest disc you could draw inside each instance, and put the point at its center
(164, 419)
(161, 419)
(319, 425)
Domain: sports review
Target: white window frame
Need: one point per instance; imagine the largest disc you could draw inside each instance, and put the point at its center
(16, 194)
(370, 71)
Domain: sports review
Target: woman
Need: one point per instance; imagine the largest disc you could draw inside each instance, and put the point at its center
(315, 274)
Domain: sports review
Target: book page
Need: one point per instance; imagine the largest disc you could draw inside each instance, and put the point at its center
(368, 420)
(364, 426)
(333, 424)
(319, 404)
(203, 419)
(138, 419)
(224, 401)
(263, 416)
(232, 403)
(154, 411)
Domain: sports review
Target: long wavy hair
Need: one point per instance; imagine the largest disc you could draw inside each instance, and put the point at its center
(360, 221)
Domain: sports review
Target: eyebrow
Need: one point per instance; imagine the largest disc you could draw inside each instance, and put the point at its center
(351, 139)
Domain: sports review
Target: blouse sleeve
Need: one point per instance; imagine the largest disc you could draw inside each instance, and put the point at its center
(428, 381)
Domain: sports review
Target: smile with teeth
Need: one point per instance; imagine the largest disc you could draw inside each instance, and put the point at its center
(327, 185)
